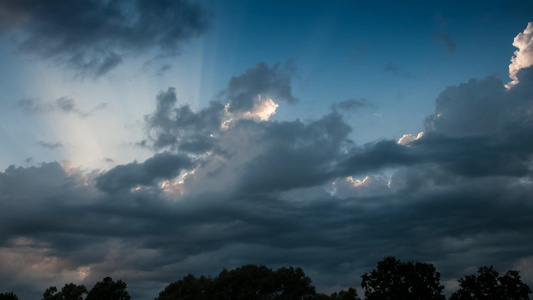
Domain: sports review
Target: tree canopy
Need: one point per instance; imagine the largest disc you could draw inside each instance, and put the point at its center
(8, 296)
(70, 291)
(393, 279)
(487, 285)
(246, 282)
(108, 289)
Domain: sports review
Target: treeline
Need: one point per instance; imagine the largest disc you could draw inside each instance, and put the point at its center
(391, 280)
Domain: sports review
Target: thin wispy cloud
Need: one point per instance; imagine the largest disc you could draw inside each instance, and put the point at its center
(446, 41)
(50, 145)
(64, 105)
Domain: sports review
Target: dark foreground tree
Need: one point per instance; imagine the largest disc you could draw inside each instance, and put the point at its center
(393, 279)
(244, 283)
(8, 296)
(188, 288)
(487, 285)
(52, 293)
(292, 283)
(108, 289)
(70, 291)
(73, 291)
(350, 294)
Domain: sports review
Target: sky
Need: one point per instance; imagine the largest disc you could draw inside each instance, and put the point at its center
(145, 140)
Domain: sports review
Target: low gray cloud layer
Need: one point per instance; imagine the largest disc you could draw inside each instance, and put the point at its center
(297, 193)
(95, 36)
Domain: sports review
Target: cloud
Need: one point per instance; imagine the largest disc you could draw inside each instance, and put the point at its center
(181, 128)
(351, 105)
(390, 67)
(125, 177)
(94, 37)
(163, 69)
(49, 145)
(65, 105)
(249, 96)
(396, 70)
(294, 154)
(268, 82)
(149, 240)
(30, 105)
(445, 40)
(408, 138)
(481, 107)
(523, 57)
(359, 52)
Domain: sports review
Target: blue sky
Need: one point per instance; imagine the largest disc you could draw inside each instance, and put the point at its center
(177, 137)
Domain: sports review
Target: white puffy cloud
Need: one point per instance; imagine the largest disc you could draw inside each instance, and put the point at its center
(370, 186)
(408, 138)
(523, 57)
(262, 110)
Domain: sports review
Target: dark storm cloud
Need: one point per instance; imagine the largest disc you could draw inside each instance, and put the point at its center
(272, 82)
(510, 155)
(180, 127)
(94, 36)
(481, 107)
(160, 166)
(323, 234)
(295, 154)
(445, 40)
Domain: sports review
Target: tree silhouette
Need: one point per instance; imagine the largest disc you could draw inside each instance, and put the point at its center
(292, 283)
(350, 294)
(108, 289)
(52, 293)
(487, 285)
(246, 282)
(188, 288)
(70, 291)
(393, 279)
(8, 296)
(243, 283)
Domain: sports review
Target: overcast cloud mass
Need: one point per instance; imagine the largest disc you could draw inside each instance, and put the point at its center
(233, 181)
